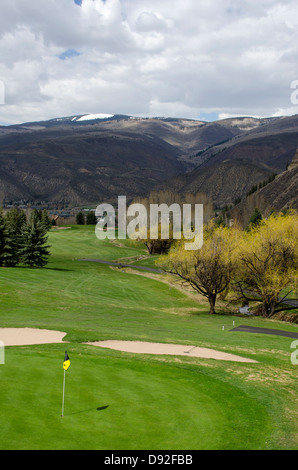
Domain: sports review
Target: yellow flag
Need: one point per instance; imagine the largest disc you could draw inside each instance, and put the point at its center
(66, 362)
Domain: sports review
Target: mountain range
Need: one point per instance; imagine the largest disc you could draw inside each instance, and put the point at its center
(94, 158)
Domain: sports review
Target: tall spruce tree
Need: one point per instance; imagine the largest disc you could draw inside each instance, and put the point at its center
(2, 238)
(7, 257)
(80, 218)
(33, 251)
(45, 220)
(91, 218)
(255, 219)
(8, 252)
(15, 219)
(11, 233)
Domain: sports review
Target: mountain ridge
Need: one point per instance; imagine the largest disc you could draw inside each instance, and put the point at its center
(77, 161)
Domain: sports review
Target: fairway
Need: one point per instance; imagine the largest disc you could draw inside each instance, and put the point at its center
(122, 400)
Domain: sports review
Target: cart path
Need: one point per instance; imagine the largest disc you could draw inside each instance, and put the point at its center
(267, 331)
(111, 263)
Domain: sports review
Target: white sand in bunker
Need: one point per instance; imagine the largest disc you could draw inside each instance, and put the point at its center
(31, 336)
(140, 347)
(27, 336)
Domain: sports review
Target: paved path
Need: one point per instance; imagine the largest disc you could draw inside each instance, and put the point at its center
(268, 331)
(110, 263)
(292, 302)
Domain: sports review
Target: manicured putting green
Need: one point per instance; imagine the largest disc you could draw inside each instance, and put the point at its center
(115, 402)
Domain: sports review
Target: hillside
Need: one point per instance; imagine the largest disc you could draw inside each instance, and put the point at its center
(84, 168)
(280, 194)
(223, 182)
(227, 171)
(77, 161)
(88, 159)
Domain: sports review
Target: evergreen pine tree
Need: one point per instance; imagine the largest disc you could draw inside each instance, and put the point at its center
(255, 218)
(2, 238)
(13, 224)
(35, 215)
(34, 252)
(5, 244)
(45, 220)
(80, 218)
(91, 218)
(15, 218)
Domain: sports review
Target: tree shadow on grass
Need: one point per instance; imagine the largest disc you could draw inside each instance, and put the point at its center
(35, 268)
(57, 269)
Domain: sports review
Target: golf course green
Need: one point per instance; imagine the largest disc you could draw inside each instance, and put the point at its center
(120, 400)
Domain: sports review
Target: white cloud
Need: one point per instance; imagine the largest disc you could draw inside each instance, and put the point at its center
(164, 109)
(151, 21)
(144, 57)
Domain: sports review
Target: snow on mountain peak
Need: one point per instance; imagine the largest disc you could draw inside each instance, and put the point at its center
(90, 117)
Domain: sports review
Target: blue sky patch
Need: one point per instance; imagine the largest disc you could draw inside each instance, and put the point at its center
(69, 54)
(210, 117)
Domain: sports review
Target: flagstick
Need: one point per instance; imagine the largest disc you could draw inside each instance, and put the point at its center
(63, 395)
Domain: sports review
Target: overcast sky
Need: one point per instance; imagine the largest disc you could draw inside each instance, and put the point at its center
(200, 59)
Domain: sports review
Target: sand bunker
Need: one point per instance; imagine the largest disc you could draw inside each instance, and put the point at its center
(140, 347)
(31, 336)
(27, 336)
